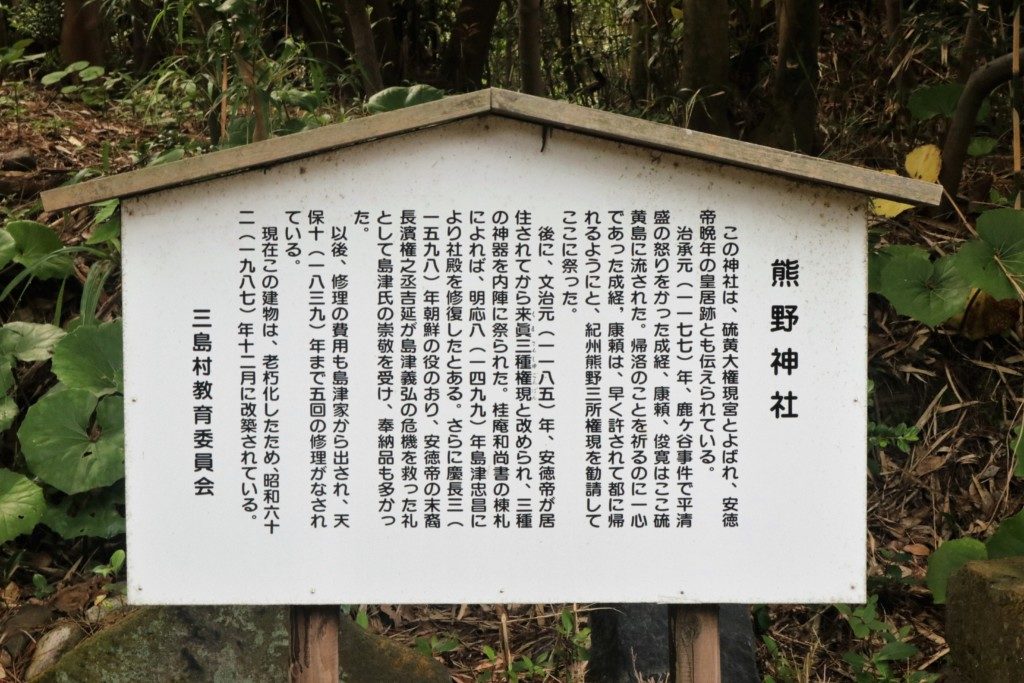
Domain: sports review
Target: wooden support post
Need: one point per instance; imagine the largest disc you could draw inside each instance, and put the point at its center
(313, 631)
(694, 644)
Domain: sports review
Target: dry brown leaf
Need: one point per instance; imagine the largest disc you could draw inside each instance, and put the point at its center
(917, 550)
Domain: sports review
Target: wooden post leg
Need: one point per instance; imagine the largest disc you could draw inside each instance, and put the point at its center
(313, 631)
(694, 644)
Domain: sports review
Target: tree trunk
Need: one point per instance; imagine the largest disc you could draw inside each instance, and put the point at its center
(145, 45)
(82, 36)
(753, 51)
(529, 47)
(971, 45)
(954, 151)
(639, 52)
(365, 51)
(470, 44)
(383, 20)
(665, 72)
(893, 16)
(566, 56)
(796, 76)
(705, 75)
(313, 22)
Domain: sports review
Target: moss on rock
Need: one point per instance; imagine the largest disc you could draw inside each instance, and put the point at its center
(985, 621)
(226, 644)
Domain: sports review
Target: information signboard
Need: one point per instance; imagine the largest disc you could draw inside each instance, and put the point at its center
(490, 362)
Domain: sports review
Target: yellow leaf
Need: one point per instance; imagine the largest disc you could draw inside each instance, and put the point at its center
(677, 13)
(886, 208)
(924, 163)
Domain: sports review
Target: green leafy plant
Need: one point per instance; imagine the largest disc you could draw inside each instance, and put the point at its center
(436, 645)
(14, 54)
(88, 82)
(930, 101)
(882, 644)
(21, 505)
(530, 668)
(1007, 541)
(926, 290)
(933, 291)
(1017, 448)
(40, 586)
(994, 263)
(113, 567)
(400, 97)
(883, 435)
(36, 247)
(786, 670)
(574, 641)
(72, 438)
(947, 559)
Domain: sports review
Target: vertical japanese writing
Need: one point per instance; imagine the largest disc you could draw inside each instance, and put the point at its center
(640, 391)
(246, 341)
(385, 367)
(730, 372)
(468, 307)
(709, 340)
(784, 317)
(316, 321)
(202, 403)
(340, 397)
(684, 354)
(269, 424)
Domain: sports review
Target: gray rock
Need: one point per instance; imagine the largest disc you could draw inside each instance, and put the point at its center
(52, 645)
(106, 609)
(628, 640)
(985, 621)
(226, 644)
(20, 159)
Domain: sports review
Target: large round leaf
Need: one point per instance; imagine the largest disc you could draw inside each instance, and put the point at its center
(399, 97)
(97, 518)
(1008, 540)
(980, 146)
(931, 292)
(934, 100)
(29, 341)
(878, 260)
(989, 263)
(91, 358)
(8, 248)
(36, 244)
(946, 559)
(6, 375)
(21, 505)
(940, 100)
(63, 447)
(8, 411)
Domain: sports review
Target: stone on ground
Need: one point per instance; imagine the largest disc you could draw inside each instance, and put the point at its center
(229, 644)
(52, 645)
(985, 621)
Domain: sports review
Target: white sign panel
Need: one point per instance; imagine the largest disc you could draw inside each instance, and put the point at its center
(480, 363)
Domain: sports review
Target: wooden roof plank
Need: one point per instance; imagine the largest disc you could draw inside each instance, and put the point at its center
(712, 147)
(501, 103)
(268, 152)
